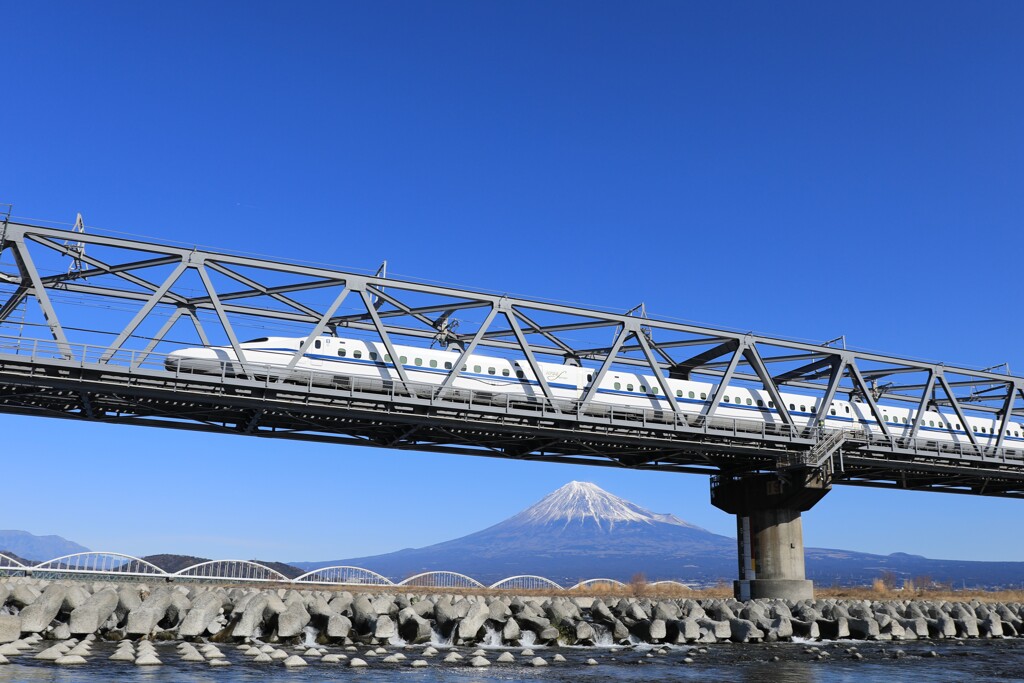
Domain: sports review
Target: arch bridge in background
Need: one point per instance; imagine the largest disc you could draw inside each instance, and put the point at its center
(344, 576)
(98, 562)
(441, 579)
(232, 570)
(116, 566)
(526, 582)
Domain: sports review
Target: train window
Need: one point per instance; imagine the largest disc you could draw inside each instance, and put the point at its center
(833, 411)
(618, 386)
(904, 420)
(975, 428)
(433, 363)
(464, 368)
(317, 343)
(505, 372)
(771, 404)
(760, 403)
(655, 390)
(373, 355)
(519, 374)
(629, 387)
(703, 396)
(341, 352)
(726, 399)
(405, 359)
(447, 365)
(643, 389)
(983, 431)
(792, 406)
(803, 409)
(749, 402)
(491, 371)
(958, 425)
(690, 395)
(387, 357)
(931, 423)
(679, 393)
(590, 377)
(476, 368)
(357, 354)
(418, 362)
(814, 409)
(847, 408)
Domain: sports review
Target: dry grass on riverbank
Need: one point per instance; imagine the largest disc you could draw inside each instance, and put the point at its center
(882, 592)
(879, 590)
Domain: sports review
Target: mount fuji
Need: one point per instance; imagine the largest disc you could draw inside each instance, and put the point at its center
(577, 532)
(583, 532)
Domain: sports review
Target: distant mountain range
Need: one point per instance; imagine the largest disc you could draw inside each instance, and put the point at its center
(581, 532)
(36, 548)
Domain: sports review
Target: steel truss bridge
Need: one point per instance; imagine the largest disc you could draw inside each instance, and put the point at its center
(87, 321)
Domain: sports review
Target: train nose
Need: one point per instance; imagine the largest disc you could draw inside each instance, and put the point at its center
(194, 360)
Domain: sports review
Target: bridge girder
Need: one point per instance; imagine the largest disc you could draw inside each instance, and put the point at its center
(133, 301)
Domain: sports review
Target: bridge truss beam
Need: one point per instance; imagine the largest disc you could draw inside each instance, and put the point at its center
(89, 344)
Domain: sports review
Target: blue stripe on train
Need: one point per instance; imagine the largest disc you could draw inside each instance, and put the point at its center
(619, 392)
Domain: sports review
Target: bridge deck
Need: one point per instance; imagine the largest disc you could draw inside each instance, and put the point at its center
(123, 304)
(124, 390)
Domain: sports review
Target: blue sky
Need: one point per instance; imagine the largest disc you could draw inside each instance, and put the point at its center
(798, 168)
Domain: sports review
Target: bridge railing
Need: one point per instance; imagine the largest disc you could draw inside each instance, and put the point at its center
(268, 375)
(331, 384)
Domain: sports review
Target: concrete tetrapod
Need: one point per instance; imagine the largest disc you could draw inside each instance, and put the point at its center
(10, 628)
(37, 616)
(143, 619)
(88, 617)
(205, 609)
(294, 618)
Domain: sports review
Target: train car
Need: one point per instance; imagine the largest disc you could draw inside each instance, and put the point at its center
(338, 361)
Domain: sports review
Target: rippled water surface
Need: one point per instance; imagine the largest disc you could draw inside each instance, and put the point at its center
(974, 661)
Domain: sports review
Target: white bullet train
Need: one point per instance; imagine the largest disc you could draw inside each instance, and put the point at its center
(336, 360)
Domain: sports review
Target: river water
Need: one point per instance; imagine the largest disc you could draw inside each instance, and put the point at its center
(974, 661)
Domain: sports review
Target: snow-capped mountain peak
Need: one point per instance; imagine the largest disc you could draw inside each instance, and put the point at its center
(581, 501)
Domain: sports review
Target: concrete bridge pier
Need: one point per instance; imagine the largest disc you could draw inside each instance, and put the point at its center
(769, 531)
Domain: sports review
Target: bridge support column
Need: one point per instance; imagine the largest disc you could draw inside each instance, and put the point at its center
(769, 531)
